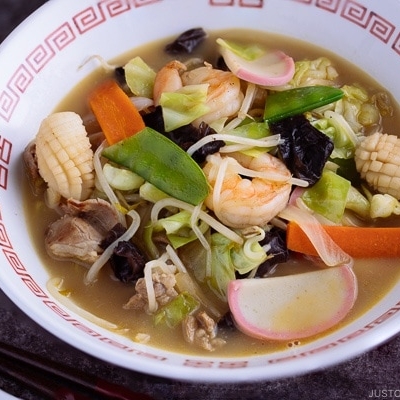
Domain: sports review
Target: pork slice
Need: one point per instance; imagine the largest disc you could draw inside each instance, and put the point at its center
(77, 235)
(164, 290)
(97, 212)
(36, 182)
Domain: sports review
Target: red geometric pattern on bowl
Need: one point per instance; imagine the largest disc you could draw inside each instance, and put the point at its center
(5, 156)
(377, 25)
(240, 3)
(14, 261)
(89, 19)
(83, 22)
(329, 5)
(61, 37)
(4, 240)
(20, 81)
(33, 286)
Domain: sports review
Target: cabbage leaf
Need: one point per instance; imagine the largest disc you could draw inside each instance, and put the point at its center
(176, 310)
(248, 52)
(139, 77)
(183, 106)
(178, 228)
(228, 258)
(337, 128)
(328, 196)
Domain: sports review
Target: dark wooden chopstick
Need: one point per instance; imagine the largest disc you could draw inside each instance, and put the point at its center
(46, 388)
(57, 381)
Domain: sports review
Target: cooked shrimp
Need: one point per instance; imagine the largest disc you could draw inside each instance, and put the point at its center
(168, 79)
(224, 96)
(247, 191)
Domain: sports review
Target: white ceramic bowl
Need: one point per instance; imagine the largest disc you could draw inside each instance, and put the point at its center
(39, 66)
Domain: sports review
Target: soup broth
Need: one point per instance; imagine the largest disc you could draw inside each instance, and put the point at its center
(105, 298)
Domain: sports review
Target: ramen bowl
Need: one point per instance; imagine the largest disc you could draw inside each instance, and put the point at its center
(46, 56)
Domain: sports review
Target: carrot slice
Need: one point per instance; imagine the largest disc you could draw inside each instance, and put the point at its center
(358, 242)
(117, 115)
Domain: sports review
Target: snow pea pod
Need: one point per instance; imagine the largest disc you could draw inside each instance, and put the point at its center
(161, 162)
(280, 105)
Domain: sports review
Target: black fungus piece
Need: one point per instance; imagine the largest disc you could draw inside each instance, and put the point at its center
(305, 149)
(127, 262)
(186, 42)
(227, 322)
(209, 148)
(119, 74)
(185, 136)
(276, 238)
(347, 169)
(221, 64)
(155, 120)
(117, 231)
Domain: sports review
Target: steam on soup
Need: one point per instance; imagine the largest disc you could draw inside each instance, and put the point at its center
(146, 234)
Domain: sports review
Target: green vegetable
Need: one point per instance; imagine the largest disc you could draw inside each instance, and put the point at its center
(245, 260)
(183, 106)
(228, 257)
(249, 53)
(150, 193)
(121, 179)
(338, 129)
(139, 77)
(222, 268)
(252, 130)
(358, 203)
(328, 197)
(176, 310)
(317, 70)
(178, 228)
(280, 105)
(360, 110)
(161, 162)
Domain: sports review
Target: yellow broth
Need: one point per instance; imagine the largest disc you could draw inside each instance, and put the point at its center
(106, 296)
